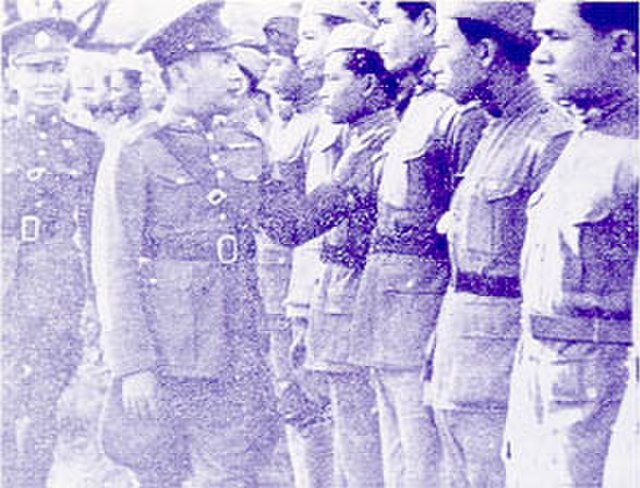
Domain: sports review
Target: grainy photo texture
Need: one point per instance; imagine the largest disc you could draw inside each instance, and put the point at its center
(320, 244)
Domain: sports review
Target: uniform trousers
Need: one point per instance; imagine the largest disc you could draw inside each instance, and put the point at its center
(221, 433)
(356, 429)
(310, 448)
(410, 445)
(565, 398)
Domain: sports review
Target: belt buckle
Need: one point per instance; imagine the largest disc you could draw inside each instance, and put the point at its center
(30, 228)
(227, 248)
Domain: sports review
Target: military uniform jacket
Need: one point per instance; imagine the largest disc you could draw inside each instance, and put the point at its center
(477, 331)
(582, 237)
(49, 170)
(177, 282)
(407, 268)
(344, 215)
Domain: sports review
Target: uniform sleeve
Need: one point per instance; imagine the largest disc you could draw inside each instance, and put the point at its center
(129, 344)
(292, 218)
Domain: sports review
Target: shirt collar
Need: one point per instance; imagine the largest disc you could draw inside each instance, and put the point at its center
(39, 118)
(616, 113)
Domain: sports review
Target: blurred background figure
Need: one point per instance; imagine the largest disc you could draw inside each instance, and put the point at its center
(88, 92)
(124, 81)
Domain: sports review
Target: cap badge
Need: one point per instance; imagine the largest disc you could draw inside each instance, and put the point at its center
(42, 40)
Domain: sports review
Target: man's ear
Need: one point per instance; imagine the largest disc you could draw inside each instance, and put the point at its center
(11, 72)
(369, 84)
(427, 22)
(623, 44)
(178, 75)
(486, 51)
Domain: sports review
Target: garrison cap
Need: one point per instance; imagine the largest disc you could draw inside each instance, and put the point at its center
(514, 18)
(347, 9)
(349, 37)
(282, 34)
(251, 59)
(38, 40)
(199, 29)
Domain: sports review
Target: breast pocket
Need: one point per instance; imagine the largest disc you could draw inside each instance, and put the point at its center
(497, 217)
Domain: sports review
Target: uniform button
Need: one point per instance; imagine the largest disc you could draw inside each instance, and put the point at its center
(39, 204)
(153, 281)
(67, 143)
(180, 180)
(220, 174)
(209, 136)
(54, 119)
(43, 136)
(411, 284)
(222, 217)
(42, 153)
(592, 393)
(190, 46)
(214, 158)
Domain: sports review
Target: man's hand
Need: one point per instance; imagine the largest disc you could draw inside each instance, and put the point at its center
(298, 348)
(140, 395)
(362, 153)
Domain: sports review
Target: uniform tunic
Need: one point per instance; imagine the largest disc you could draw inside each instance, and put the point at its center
(49, 169)
(577, 272)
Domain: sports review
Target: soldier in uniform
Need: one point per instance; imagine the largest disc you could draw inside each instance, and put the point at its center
(357, 91)
(580, 251)
(407, 268)
(304, 151)
(483, 51)
(49, 170)
(177, 283)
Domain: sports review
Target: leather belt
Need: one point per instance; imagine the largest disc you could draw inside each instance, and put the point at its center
(341, 255)
(226, 248)
(581, 329)
(426, 248)
(487, 286)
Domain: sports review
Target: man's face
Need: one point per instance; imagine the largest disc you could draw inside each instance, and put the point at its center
(41, 84)
(398, 39)
(283, 77)
(572, 61)
(124, 97)
(342, 93)
(313, 35)
(214, 82)
(456, 68)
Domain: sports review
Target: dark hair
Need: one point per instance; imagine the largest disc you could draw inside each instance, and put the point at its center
(414, 9)
(333, 21)
(604, 17)
(132, 77)
(253, 80)
(514, 50)
(362, 62)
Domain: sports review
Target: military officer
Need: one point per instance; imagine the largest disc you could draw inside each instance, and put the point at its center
(407, 268)
(177, 281)
(357, 91)
(483, 50)
(579, 252)
(49, 168)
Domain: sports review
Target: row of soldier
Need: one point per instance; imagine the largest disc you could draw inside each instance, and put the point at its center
(407, 234)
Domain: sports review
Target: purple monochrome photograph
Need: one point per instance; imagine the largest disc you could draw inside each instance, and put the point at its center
(320, 244)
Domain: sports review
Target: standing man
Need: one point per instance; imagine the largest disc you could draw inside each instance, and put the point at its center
(49, 169)
(177, 277)
(580, 251)
(483, 51)
(304, 155)
(358, 91)
(407, 267)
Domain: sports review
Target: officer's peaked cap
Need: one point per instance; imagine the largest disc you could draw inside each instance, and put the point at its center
(37, 40)
(199, 29)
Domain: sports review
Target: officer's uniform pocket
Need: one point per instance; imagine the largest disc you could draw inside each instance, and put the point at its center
(170, 292)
